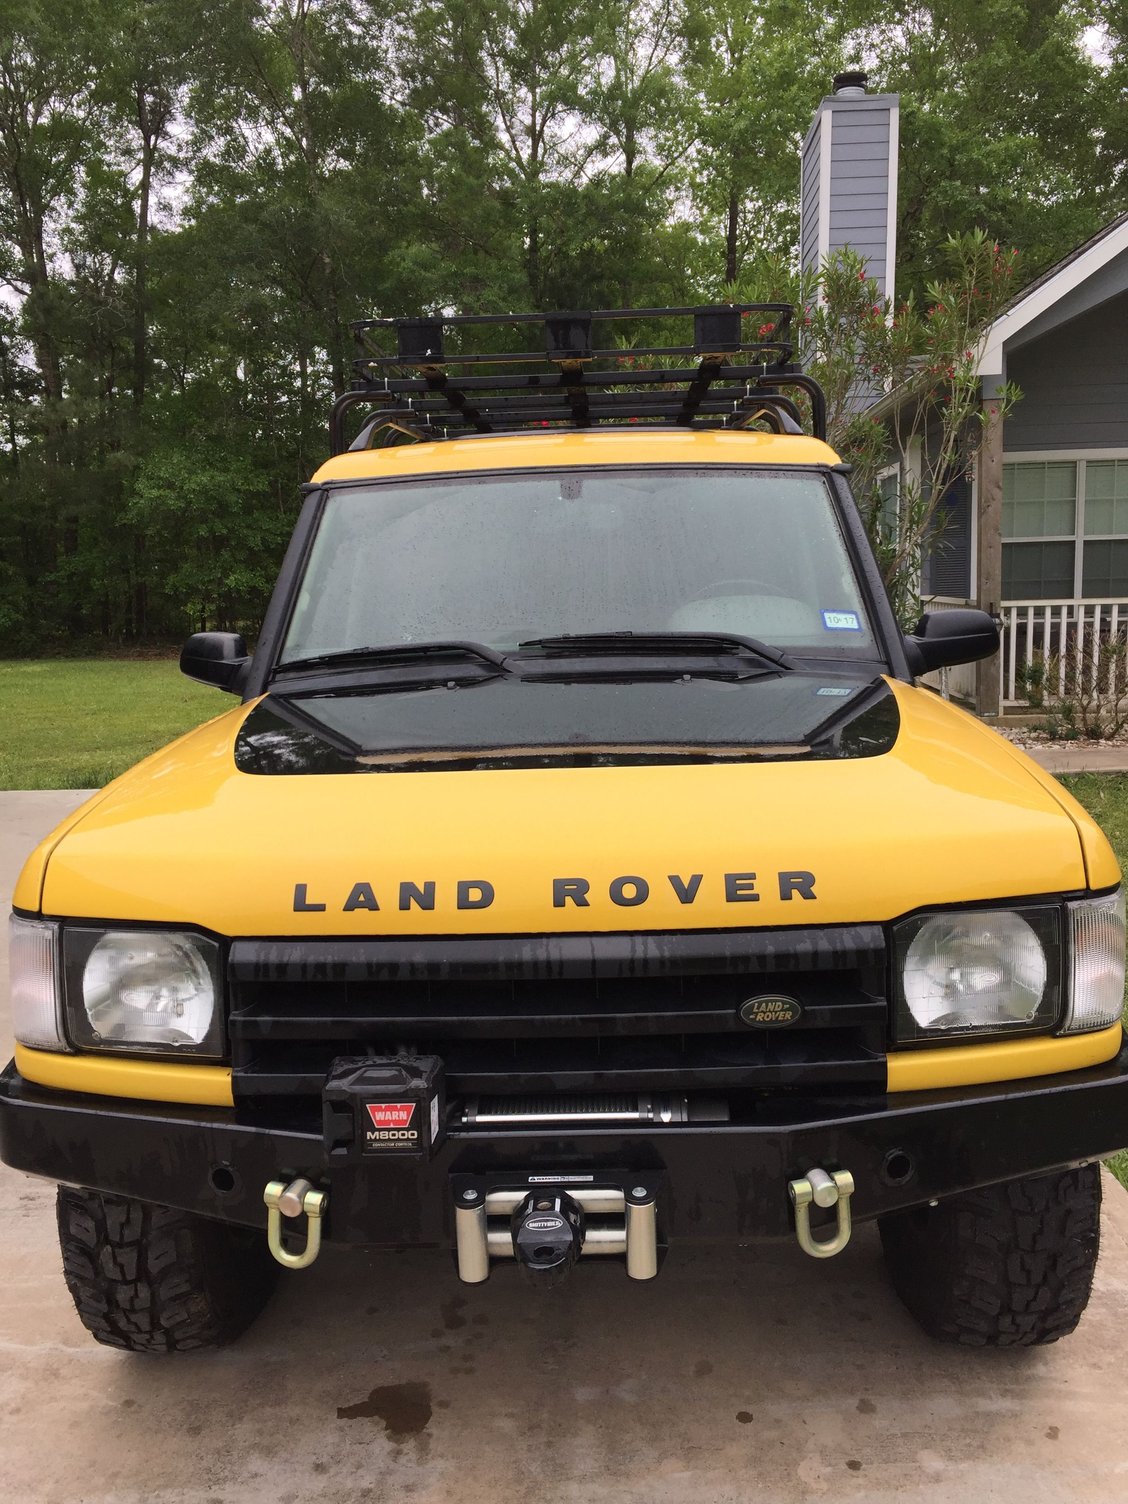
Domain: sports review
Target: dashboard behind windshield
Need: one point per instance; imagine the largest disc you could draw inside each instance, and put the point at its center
(500, 559)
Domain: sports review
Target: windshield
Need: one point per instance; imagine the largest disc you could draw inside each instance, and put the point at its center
(501, 559)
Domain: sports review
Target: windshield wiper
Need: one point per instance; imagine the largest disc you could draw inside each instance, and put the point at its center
(659, 645)
(396, 654)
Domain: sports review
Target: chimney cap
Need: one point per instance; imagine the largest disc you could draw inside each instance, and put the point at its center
(851, 85)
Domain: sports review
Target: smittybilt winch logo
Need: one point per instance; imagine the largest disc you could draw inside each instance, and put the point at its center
(627, 892)
(771, 1011)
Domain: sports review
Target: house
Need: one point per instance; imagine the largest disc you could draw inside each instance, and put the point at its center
(1038, 533)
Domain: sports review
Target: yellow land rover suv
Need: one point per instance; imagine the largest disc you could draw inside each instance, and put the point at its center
(583, 872)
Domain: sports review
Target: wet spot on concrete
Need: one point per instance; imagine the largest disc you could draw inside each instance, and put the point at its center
(128, 1404)
(744, 1417)
(1052, 1433)
(450, 1310)
(405, 1409)
(854, 1465)
(866, 1407)
(321, 1467)
(702, 1368)
(442, 1404)
(195, 1429)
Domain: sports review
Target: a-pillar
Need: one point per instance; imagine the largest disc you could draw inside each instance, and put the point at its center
(989, 550)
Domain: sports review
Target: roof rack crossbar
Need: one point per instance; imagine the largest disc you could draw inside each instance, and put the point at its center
(781, 311)
(623, 376)
(707, 373)
(436, 381)
(571, 379)
(419, 421)
(771, 352)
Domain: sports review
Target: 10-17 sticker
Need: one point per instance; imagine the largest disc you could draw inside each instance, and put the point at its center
(841, 621)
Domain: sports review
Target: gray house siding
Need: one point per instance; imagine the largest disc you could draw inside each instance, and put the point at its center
(809, 205)
(1074, 382)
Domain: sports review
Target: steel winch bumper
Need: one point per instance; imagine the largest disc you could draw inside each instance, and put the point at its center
(732, 1181)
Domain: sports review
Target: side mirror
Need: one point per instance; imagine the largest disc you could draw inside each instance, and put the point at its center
(943, 638)
(218, 658)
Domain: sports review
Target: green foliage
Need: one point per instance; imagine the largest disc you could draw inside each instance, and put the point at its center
(196, 196)
(1083, 696)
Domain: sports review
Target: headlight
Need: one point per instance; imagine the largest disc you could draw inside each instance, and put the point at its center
(143, 990)
(977, 971)
(1096, 963)
(33, 973)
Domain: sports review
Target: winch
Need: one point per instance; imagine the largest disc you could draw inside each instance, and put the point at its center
(548, 1222)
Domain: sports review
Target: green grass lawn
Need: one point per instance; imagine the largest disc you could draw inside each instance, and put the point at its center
(77, 723)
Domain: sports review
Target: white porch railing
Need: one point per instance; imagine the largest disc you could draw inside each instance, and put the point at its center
(1055, 633)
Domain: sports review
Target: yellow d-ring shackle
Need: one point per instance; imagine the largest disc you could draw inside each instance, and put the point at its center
(292, 1200)
(826, 1191)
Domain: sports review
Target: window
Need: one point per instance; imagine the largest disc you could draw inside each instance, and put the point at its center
(946, 567)
(1065, 529)
(1105, 568)
(502, 559)
(889, 489)
(1039, 504)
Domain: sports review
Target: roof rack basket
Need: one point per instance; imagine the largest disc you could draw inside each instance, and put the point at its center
(720, 380)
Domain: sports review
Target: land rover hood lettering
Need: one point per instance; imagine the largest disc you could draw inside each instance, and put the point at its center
(509, 723)
(560, 892)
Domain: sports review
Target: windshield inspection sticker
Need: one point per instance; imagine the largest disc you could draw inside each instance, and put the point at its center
(841, 621)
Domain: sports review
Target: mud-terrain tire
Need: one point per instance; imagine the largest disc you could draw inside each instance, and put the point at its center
(155, 1280)
(1008, 1266)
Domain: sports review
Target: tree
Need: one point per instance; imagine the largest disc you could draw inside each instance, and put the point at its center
(754, 75)
(1003, 114)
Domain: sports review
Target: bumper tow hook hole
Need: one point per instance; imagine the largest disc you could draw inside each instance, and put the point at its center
(898, 1167)
(223, 1180)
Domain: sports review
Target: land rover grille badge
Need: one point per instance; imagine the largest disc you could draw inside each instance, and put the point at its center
(771, 1011)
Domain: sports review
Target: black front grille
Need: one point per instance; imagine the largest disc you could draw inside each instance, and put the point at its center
(551, 1013)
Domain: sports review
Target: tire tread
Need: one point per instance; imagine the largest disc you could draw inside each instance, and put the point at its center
(156, 1280)
(1010, 1265)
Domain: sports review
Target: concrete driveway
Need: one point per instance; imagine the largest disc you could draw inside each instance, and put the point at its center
(737, 1376)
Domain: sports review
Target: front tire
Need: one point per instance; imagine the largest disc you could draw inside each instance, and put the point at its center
(155, 1280)
(1008, 1266)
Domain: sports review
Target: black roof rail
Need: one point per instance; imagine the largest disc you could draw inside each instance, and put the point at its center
(724, 380)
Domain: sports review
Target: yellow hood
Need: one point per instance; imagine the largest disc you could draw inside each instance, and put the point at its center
(951, 814)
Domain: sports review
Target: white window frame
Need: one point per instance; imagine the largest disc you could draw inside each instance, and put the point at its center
(1078, 537)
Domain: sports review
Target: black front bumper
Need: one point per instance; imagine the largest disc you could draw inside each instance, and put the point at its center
(726, 1182)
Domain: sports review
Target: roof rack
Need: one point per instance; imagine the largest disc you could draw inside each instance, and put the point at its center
(723, 381)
